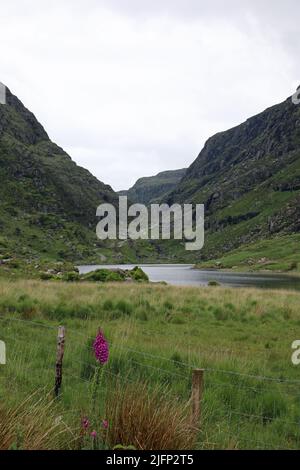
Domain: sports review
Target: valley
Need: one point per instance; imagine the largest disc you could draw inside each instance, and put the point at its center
(158, 333)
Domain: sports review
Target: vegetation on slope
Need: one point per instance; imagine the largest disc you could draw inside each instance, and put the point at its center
(47, 203)
(247, 177)
(154, 188)
(280, 253)
(249, 180)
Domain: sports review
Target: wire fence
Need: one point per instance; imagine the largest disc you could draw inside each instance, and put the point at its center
(238, 409)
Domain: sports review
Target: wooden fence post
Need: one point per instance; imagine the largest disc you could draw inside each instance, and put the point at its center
(197, 392)
(59, 359)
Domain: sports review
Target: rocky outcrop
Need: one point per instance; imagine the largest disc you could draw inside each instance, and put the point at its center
(249, 180)
(47, 202)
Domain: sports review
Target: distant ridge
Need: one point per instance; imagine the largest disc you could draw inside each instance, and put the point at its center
(154, 188)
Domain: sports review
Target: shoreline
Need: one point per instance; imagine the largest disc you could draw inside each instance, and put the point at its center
(241, 271)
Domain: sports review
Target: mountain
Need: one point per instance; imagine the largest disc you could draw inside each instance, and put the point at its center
(153, 188)
(249, 180)
(47, 202)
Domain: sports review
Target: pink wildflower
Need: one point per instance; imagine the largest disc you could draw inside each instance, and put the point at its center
(105, 424)
(94, 434)
(101, 349)
(85, 423)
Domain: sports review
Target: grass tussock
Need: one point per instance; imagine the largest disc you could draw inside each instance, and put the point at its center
(33, 425)
(148, 420)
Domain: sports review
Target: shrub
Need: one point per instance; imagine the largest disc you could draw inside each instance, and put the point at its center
(46, 276)
(293, 265)
(139, 275)
(168, 305)
(64, 310)
(100, 275)
(108, 305)
(104, 275)
(213, 283)
(177, 359)
(114, 277)
(124, 307)
(71, 277)
(27, 307)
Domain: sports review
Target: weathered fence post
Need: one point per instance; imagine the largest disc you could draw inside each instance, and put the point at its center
(59, 359)
(197, 392)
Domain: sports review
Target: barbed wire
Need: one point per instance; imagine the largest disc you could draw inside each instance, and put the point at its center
(216, 350)
(251, 376)
(266, 418)
(232, 412)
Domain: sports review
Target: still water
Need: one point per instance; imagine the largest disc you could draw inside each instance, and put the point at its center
(186, 275)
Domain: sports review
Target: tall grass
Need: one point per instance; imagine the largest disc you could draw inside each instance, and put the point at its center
(147, 419)
(157, 334)
(35, 424)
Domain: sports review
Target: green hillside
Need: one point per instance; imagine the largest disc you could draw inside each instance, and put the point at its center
(249, 180)
(47, 202)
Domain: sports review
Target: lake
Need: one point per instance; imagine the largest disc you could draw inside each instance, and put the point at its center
(186, 275)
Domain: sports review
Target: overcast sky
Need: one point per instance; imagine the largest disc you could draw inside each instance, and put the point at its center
(133, 87)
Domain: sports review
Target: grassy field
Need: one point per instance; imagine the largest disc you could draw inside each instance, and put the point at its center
(157, 335)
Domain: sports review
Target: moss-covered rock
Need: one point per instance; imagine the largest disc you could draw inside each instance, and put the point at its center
(115, 275)
(138, 275)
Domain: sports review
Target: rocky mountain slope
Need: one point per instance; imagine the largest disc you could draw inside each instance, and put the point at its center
(154, 188)
(47, 202)
(249, 180)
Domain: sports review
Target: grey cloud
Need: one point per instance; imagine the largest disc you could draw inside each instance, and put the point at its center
(130, 88)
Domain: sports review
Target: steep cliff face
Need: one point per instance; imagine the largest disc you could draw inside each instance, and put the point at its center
(154, 188)
(47, 202)
(249, 180)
